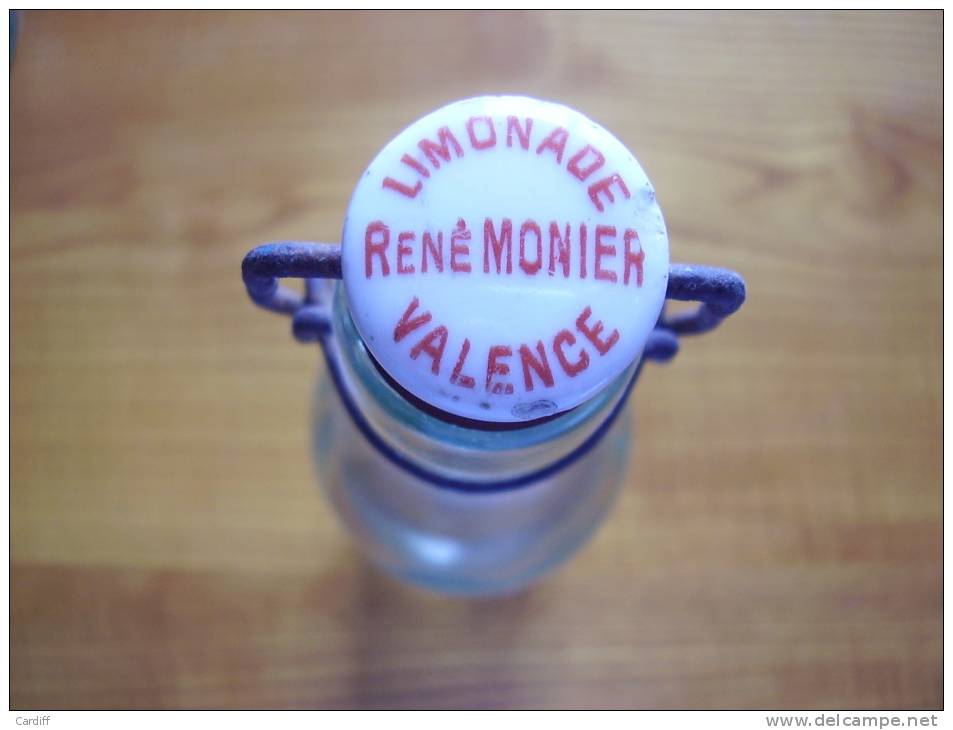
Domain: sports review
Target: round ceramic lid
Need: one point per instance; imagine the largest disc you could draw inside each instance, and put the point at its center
(504, 258)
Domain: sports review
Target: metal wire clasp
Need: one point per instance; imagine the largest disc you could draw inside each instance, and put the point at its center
(720, 293)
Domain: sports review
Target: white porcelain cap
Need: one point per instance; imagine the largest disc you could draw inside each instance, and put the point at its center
(504, 258)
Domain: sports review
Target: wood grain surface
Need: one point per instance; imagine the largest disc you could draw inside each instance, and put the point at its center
(778, 542)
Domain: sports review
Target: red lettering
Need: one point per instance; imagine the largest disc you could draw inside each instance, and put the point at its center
(404, 250)
(603, 250)
(495, 367)
(565, 337)
(427, 345)
(603, 346)
(604, 186)
(513, 125)
(583, 172)
(407, 323)
(531, 267)
(435, 250)
(633, 259)
(485, 143)
(433, 150)
(540, 366)
(413, 164)
(457, 377)
(458, 248)
(582, 250)
(410, 192)
(496, 243)
(556, 141)
(558, 251)
(377, 247)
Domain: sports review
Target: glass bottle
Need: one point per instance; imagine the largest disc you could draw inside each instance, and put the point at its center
(432, 494)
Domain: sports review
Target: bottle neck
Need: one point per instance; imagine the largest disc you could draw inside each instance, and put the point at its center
(458, 455)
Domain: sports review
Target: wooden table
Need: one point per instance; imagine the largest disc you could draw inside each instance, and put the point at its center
(778, 543)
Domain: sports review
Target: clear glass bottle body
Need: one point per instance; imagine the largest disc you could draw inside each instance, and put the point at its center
(472, 543)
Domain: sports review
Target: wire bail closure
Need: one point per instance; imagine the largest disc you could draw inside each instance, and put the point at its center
(719, 292)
